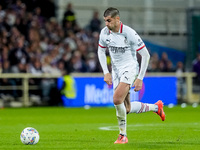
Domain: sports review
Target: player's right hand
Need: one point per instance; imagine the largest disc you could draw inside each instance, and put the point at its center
(138, 85)
(108, 78)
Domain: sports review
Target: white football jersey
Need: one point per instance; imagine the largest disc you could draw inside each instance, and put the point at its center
(122, 47)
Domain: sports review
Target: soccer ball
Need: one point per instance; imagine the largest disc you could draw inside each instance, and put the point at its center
(29, 136)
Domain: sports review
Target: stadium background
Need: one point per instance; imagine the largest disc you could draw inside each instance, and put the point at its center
(169, 29)
(46, 49)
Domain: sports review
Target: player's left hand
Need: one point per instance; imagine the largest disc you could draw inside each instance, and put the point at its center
(138, 85)
(108, 78)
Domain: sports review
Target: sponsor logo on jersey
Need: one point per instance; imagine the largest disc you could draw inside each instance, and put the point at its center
(108, 40)
(140, 42)
(114, 49)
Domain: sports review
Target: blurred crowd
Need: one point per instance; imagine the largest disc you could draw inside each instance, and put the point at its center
(33, 41)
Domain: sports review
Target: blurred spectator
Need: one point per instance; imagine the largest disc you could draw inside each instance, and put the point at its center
(71, 40)
(6, 67)
(7, 82)
(38, 16)
(44, 43)
(19, 7)
(169, 67)
(181, 85)
(83, 50)
(154, 67)
(153, 63)
(69, 19)
(61, 67)
(93, 42)
(77, 64)
(46, 64)
(21, 25)
(95, 22)
(4, 53)
(48, 84)
(35, 69)
(18, 54)
(19, 68)
(164, 59)
(66, 86)
(33, 35)
(83, 36)
(91, 62)
(196, 68)
(2, 12)
(161, 66)
(10, 17)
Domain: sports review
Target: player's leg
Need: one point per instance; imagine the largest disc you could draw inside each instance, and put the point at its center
(139, 107)
(118, 99)
(127, 103)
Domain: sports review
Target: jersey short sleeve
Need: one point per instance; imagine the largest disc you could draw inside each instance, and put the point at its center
(102, 38)
(136, 40)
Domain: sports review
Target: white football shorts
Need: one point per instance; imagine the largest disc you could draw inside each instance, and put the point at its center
(126, 76)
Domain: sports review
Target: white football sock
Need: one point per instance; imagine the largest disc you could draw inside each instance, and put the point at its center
(138, 107)
(121, 116)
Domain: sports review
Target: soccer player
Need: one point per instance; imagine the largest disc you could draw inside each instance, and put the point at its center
(123, 43)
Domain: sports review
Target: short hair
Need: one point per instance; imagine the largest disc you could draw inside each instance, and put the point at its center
(111, 11)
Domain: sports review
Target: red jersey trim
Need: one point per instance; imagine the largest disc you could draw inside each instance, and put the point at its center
(141, 48)
(121, 27)
(102, 46)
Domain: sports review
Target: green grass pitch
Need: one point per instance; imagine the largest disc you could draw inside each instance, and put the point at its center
(96, 128)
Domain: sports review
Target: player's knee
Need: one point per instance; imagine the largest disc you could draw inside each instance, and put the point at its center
(116, 100)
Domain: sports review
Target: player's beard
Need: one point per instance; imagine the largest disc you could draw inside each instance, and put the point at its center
(110, 28)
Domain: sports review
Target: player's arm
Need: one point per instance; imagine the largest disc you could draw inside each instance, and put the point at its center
(103, 63)
(144, 64)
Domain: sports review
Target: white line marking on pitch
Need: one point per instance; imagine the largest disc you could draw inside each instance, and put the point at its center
(135, 126)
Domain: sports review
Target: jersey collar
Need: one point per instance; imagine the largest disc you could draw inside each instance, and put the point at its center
(121, 27)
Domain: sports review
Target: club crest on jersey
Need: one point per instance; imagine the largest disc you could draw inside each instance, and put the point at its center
(125, 40)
